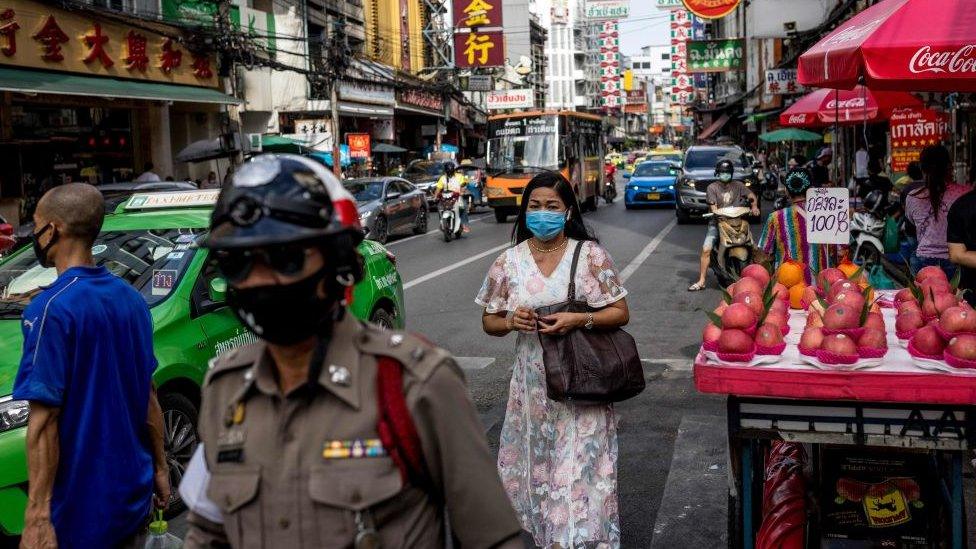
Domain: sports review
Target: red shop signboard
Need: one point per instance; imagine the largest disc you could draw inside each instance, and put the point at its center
(358, 145)
(911, 131)
(711, 9)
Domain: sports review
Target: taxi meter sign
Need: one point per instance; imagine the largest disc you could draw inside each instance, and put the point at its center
(828, 216)
(179, 199)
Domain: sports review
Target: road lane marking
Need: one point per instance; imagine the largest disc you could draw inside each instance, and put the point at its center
(430, 232)
(469, 363)
(449, 268)
(646, 252)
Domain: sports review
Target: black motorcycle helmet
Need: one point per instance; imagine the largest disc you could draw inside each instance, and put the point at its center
(724, 166)
(875, 202)
(449, 168)
(278, 199)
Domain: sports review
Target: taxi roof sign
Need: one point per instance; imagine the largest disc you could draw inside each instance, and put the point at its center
(175, 199)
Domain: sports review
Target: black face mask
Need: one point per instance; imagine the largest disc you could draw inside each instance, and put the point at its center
(41, 251)
(285, 314)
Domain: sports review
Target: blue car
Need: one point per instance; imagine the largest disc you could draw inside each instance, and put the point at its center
(651, 184)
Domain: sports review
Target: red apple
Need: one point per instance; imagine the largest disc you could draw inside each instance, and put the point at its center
(909, 321)
(930, 272)
(928, 341)
(738, 316)
(905, 306)
(873, 338)
(757, 272)
(958, 320)
(746, 284)
(782, 293)
(769, 335)
(876, 321)
(936, 285)
(812, 338)
(752, 299)
(735, 341)
(850, 298)
(840, 287)
(963, 346)
(934, 306)
(829, 276)
(839, 344)
(711, 333)
(814, 320)
(781, 307)
(721, 308)
(779, 320)
(905, 294)
(841, 317)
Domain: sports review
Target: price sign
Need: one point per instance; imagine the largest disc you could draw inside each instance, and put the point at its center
(828, 216)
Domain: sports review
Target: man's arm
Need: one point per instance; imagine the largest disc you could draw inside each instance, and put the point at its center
(959, 255)
(154, 425)
(43, 453)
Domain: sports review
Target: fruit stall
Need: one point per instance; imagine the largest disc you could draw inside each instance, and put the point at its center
(850, 410)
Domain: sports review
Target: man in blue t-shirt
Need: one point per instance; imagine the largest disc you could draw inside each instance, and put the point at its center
(94, 438)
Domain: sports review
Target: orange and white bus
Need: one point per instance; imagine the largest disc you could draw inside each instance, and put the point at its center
(523, 144)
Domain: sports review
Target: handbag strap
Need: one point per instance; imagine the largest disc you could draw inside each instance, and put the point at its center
(571, 294)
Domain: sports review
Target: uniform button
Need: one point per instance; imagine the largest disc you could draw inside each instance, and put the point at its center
(284, 523)
(356, 497)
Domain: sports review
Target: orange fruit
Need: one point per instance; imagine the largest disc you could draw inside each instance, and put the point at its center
(848, 268)
(790, 273)
(796, 295)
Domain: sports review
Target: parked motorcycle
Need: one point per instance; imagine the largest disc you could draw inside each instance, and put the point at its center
(735, 244)
(868, 229)
(450, 215)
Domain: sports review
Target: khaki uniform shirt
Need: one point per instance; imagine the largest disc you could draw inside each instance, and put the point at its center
(282, 469)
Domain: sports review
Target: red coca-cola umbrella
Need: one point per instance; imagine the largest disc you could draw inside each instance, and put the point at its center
(914, 45)
(825, 107)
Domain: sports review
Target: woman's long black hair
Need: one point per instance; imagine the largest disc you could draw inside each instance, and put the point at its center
(935, 163)
(574, 225)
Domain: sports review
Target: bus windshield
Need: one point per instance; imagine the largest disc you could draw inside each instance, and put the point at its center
(519, 153)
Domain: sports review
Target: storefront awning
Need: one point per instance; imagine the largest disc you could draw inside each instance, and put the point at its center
(358, 109)
(715, 127)
(28, 81)
(418, 110)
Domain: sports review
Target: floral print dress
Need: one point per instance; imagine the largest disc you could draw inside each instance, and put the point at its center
(558, 462)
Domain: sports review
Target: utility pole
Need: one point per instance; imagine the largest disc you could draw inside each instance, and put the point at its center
(338, 62)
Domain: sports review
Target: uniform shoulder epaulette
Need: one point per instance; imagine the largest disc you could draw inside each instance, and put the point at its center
(419, 356)
(234, 359)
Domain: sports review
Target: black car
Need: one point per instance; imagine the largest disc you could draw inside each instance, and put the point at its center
(388, 205)
(424, 175)
(698, 172)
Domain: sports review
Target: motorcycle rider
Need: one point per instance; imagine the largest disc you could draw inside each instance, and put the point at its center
(723, 193)
(456, 182)
(326, 431)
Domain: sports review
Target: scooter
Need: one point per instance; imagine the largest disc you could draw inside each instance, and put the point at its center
(450, 214)
(610, 186)
(735, 243)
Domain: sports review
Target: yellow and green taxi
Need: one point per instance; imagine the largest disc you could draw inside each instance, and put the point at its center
(149, 240)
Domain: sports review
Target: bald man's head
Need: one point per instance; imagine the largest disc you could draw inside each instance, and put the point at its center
(77, 208)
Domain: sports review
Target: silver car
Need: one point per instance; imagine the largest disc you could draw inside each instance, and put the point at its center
(388, 205)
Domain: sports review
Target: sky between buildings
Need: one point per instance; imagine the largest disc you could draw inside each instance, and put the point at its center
(646, 26)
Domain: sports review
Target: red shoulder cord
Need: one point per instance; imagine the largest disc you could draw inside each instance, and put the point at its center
(395, 426)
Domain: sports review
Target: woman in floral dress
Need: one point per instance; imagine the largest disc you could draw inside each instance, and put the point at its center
(558, 461)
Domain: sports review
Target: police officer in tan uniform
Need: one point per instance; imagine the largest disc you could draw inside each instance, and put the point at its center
(328, 432)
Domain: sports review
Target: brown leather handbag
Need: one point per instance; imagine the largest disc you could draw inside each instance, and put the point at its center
(589, 366)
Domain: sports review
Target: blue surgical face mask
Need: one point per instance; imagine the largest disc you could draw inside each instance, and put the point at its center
(725, 177)
(545, 225)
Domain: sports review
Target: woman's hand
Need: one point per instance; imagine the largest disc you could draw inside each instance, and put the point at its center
(560, 323)
(524, 320)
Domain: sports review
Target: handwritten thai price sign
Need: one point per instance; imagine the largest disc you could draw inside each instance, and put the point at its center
(828, 216)
(911, 131)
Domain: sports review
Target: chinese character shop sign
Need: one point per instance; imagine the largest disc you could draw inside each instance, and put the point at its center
(478, 38)
(911, 131)
(37, 35)
(711, 9)
(610, 86)
(782, 81)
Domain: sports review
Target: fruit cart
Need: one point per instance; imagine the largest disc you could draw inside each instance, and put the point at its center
(892, 403)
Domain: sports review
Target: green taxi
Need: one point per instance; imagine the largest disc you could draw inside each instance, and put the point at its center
(149, 241)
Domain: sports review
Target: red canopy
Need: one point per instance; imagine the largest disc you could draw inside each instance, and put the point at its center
(914, 45)
(825, 107)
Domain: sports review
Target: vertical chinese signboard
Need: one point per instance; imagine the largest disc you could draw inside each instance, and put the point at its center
(358, 145)
(682, 88)
(478, 37)
(610, 85)
(911, 131)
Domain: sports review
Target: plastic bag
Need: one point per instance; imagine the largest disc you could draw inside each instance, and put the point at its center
(891, 236)
(879, 279)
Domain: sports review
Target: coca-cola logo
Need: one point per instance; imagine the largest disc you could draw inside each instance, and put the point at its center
(797, 119)
(852, 103)
(962, 60)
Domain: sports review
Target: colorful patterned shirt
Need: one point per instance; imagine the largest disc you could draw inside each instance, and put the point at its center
(785, 237)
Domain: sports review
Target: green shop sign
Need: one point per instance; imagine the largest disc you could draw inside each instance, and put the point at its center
(716, 55)
(259, 25)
